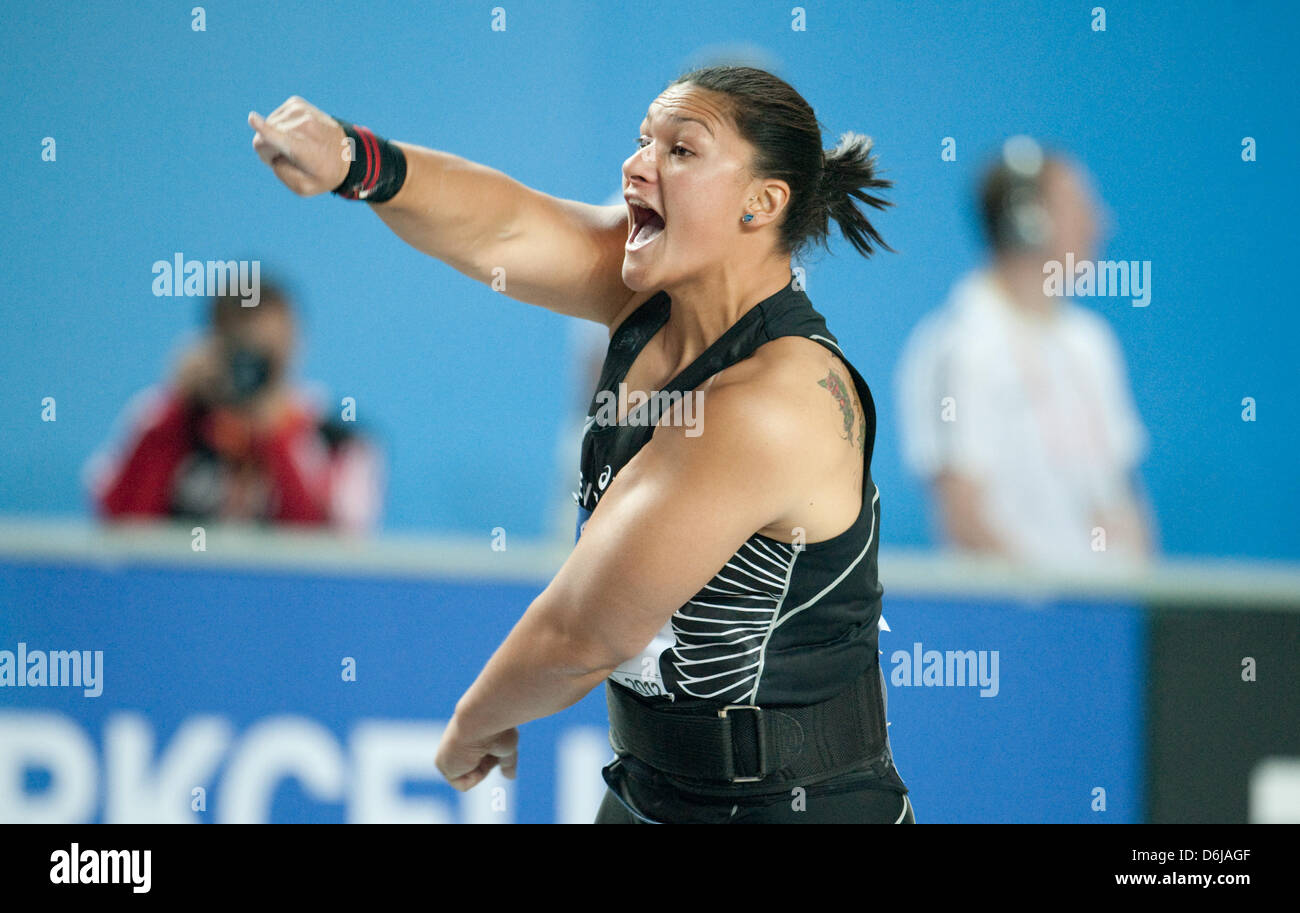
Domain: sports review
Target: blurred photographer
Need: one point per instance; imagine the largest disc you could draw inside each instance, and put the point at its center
(229, 439)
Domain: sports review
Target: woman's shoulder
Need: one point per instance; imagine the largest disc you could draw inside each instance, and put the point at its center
(788, 365)
(798, 387)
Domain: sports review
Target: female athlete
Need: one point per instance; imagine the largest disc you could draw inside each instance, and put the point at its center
(723, 585)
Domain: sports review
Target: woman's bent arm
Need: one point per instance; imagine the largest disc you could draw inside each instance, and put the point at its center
(674, 515)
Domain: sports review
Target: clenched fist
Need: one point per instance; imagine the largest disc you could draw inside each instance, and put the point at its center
(465, 763)
(305, 147)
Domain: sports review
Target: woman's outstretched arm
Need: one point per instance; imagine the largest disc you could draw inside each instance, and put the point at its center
(559, 254)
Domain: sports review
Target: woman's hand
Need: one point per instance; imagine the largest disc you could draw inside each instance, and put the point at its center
(305, 147)
(465, 762)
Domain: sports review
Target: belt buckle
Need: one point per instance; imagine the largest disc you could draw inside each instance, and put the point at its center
(762, 741)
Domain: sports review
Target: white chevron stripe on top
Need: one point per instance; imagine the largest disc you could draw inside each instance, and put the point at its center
(714, 661)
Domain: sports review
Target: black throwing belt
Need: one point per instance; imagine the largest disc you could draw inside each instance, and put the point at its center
(746, 743)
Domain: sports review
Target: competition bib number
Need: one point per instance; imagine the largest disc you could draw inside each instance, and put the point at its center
(641, 672)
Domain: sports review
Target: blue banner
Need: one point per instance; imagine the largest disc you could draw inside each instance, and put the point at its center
(239, 695)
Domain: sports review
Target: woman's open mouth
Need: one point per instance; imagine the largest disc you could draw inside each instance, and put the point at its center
(646, 226)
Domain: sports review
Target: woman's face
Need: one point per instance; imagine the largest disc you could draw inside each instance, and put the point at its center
(692, 169)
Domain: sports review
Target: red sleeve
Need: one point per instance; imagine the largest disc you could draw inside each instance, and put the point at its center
(297, 465)
(139, 483)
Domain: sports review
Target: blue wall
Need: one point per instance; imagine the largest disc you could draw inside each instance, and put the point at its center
(467, 388)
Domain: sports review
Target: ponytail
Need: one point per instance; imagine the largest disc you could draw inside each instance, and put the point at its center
(849, 174)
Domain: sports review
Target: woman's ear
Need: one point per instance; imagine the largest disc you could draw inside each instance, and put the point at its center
(767, 203)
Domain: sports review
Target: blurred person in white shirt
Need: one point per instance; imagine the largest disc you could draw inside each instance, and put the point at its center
(1014, 404)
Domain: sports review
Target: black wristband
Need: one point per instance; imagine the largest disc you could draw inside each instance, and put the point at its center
(377, 169)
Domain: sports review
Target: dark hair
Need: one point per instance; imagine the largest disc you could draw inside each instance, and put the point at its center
(787, 139)
(226, 310)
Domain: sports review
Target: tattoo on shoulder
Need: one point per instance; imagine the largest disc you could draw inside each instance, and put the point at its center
(844, 399)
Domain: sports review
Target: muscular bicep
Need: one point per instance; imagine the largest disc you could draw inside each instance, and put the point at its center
(566, 256)
(669, 521)
(559, 254)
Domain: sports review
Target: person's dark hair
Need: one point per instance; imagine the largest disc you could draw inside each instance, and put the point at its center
(227, 309)
(787, 139)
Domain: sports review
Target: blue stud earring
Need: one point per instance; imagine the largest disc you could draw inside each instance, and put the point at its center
(749, 217)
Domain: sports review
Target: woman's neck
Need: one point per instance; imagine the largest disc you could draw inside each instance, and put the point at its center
(705, 308)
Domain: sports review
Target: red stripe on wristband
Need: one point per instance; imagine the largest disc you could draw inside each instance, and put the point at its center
(379, 161)
(384, 163)
(372, 159)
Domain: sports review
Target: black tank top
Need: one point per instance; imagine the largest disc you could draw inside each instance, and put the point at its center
(777, 624)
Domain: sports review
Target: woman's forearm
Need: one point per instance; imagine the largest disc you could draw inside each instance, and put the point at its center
(537, 671)
(453, 209)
